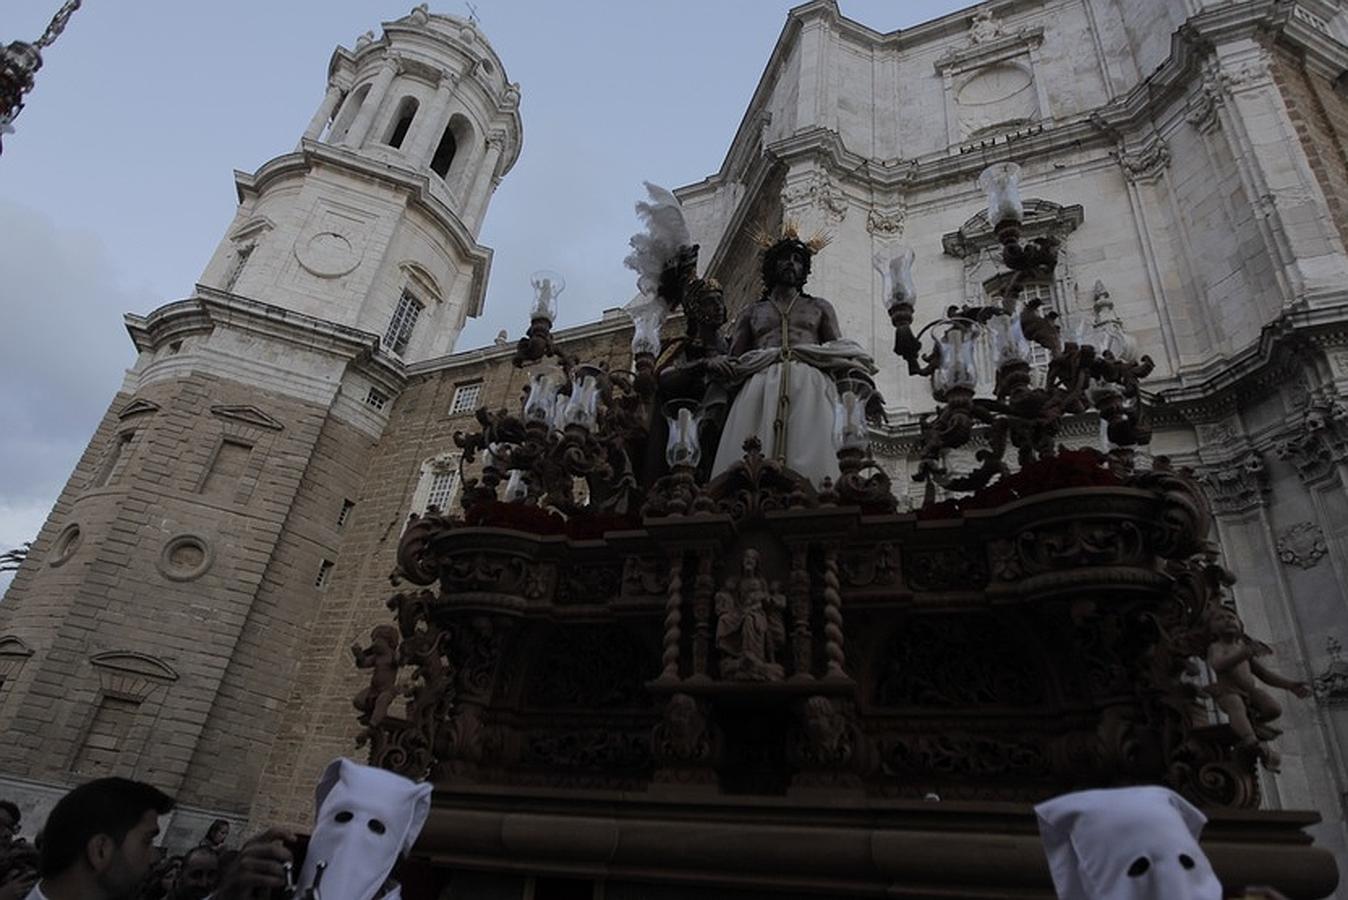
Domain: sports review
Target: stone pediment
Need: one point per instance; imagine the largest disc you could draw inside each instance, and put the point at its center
(1042, 218)
(138, 664)
(136, 407)
(14, 647)
(249, 415)
(1003, 47)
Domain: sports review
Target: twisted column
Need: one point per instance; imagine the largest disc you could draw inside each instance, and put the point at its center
(833, 633)
(673, 619)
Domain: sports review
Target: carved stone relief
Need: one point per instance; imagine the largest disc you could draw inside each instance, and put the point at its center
(815, 191)
(1302, 545)
(1237, 485)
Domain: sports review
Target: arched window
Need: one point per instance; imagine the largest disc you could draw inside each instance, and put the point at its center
(402, 120)
(453, 150)
(350, 107)
(444, 153)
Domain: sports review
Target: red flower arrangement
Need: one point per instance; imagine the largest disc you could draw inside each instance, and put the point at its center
(1068, 469)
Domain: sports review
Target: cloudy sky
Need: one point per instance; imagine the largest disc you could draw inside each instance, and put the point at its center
(117, 185)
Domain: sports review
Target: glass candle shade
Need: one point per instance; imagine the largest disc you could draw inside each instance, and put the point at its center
(647, 313)
(957, 368)
(683, 447)
(547, 286)
(1009, 343)
(896, 277)
(538, 406)
(1001, 183)
(850, 430)
(582, 407)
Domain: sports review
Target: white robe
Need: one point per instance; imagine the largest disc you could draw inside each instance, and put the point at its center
(810, 450)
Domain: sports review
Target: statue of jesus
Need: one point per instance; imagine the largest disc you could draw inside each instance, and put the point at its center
(788, 350)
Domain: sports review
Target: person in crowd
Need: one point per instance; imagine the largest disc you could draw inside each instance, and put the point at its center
(98, 843)
(198, 875)
(160, 883)
(216, 835)
(260, 866)
(10, 822)
(18, 870)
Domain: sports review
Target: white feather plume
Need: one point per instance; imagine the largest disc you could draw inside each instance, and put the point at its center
(666, 231)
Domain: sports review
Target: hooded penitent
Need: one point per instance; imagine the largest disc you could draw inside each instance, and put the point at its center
(1137, 843)
(365, 818)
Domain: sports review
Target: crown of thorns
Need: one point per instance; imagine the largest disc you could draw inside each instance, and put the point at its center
(790, 232)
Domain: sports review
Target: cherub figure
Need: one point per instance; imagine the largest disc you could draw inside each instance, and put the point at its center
(381, 656)
(1234, 658)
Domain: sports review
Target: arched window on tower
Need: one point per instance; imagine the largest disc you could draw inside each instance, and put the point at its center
(444, 153)
(350, 107)
(402, 120)
(453, 149)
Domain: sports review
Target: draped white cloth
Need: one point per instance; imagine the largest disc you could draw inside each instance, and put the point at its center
(810, 374)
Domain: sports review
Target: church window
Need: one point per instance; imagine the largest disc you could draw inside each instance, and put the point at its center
(444, 485)
(465, 398)
(241, 254)
(324, 574)
(399, 332)
(402, 120)
(106, 735)
(444, 152)
(342, 124)
(376, 400)
(345, 514)
(113, 460)
(227, 468)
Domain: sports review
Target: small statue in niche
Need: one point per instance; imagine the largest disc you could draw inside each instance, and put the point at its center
(1234, 658)
(381, 656)
(750, 628)
(983, 27)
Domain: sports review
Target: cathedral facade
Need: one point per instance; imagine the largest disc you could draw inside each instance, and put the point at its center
(187, 613)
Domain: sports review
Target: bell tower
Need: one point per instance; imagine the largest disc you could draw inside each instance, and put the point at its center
(372, 222)
(153, 630)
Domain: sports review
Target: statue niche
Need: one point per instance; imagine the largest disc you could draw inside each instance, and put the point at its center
(750, 628)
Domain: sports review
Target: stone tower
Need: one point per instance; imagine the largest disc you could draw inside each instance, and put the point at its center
(152, 630)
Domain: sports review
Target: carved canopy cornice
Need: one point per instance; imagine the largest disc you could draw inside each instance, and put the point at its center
(1007, 47)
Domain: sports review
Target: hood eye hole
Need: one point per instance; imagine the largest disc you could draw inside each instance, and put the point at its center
(1186, 860)
(343, 817)
(377, 826)
(1139, 867)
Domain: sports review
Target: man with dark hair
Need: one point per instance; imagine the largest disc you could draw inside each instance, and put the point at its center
(98, 843)
(198, 875)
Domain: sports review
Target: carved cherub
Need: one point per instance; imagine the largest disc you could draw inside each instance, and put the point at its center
(381, 656)
(1234, 658)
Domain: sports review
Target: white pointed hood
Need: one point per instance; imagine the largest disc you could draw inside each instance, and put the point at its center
(1138, 843)
(365, 818)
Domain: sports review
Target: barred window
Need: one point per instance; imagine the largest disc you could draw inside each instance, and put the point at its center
(466, 397)
(444, 485)
(324, 574)
(376, 400)
(399, 332)
(347, 506)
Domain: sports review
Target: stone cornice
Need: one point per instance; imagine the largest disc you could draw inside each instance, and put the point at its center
(958, 59)
(418, 187)
(210, 308)
(1258, 367)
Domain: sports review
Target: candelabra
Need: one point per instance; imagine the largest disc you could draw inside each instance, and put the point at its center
(1092, 367)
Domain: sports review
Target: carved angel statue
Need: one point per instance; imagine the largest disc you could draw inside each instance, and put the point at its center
(1234, 658)
(749, 625)
(381, 656)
